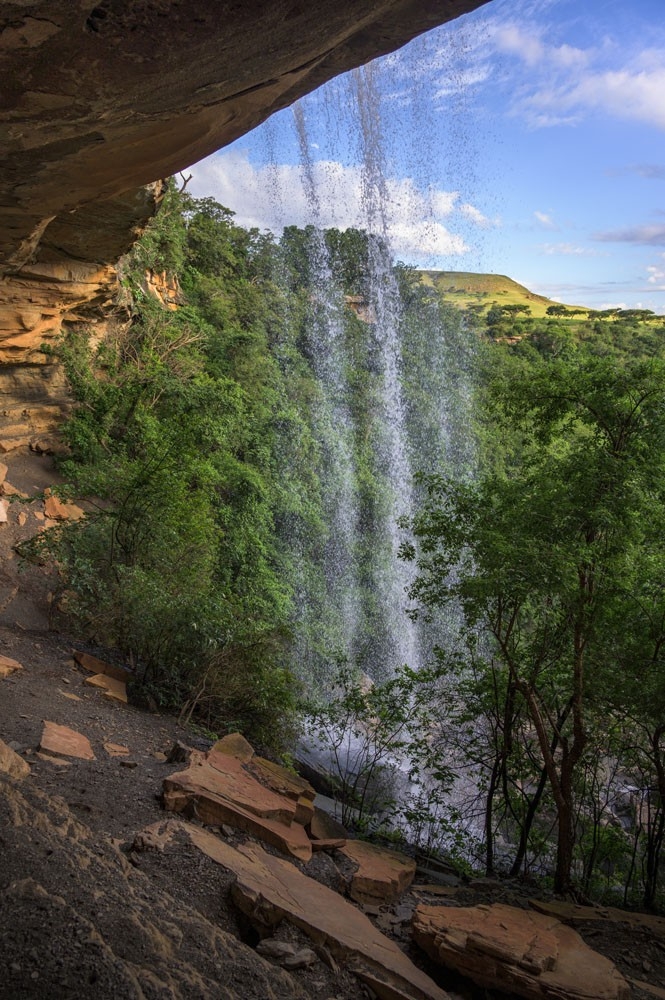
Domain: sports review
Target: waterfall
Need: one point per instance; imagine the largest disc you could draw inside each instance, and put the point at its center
(388, 384)
(367, 584)
(332, 417)
(390, 363)
(384, 298)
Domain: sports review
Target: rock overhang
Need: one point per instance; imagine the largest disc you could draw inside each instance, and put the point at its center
(101, 100)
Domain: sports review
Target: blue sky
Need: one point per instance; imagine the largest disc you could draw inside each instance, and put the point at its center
(526, 138)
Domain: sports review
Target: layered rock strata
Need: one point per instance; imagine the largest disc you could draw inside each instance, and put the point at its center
(524, 954)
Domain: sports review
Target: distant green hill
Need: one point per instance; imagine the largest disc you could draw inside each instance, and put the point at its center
(464, 288)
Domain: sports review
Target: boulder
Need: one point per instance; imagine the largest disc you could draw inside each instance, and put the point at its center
(155, 837)
(269, 890)
(60, 510)
(271, 775)
(522, 953)
(382, 875)
(235, 745)
(8, 666)
(217, 789)
(11, 763)
(111, 686)
(96, 666)
(179, 753)
(323, 826)
(287, 783)
(64, 741)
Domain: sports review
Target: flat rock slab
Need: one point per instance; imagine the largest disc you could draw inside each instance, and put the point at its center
(97, 666)
(8, 666)
(217, 789)
(382, 875)
(269, 890)
(11, 763)
(519, 952)
(111, 686)
(61, 510)
(56, 761)
(328, 845)
(64, 741)
(271, 775)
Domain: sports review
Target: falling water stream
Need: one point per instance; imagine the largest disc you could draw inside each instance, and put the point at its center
(396, 638)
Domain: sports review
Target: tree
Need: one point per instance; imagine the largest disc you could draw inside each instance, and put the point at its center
(540, 559)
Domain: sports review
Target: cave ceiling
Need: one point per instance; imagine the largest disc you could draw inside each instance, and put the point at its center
(97, 101)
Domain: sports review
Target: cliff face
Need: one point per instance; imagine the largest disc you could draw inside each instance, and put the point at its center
(98, 101)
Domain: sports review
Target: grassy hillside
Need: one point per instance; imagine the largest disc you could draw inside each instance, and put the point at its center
(464, 289)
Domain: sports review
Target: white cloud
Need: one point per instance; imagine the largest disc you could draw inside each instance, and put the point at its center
(652, 234)
(570, 250)
(548, 80)
(526, 43)
(476, 216)
(627, 94)
(442, 202)
(545, 220)
(271, 196)
(656, 274)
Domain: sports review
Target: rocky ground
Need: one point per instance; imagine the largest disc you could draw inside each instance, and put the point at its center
(88, 913)
(89, 916)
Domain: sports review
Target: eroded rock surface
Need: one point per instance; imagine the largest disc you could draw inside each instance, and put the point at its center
(77, 920)
(520, 952)
(382, 875)
(269, 890)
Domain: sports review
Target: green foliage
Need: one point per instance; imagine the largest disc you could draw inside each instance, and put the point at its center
(176, 435)
(546, 559)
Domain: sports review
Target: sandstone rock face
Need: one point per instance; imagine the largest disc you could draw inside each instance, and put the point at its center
(100, 100)
(216, 788)
(8, 666)
(382, 875)
(269, 890)
(11, 764)
(522, 953)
